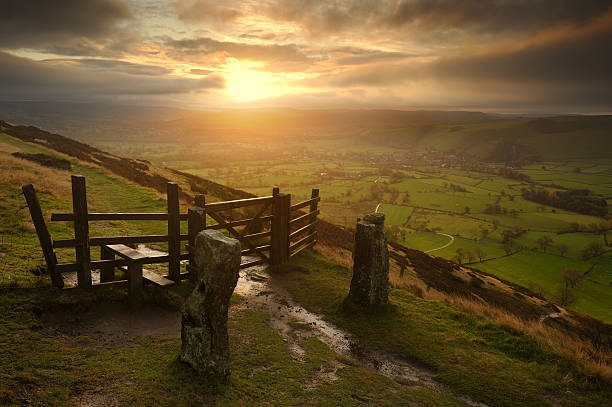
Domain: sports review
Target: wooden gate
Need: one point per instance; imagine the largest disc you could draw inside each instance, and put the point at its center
(262, 224)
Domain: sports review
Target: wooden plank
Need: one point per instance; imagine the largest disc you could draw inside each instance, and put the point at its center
(135, 284)
(43, 234)
(126, 252)
(303, 229)
(255, 250)
(239, 203)
(233, 231)
(236, 223)
(107, 272)
(306, 203)
(255, 236)
(299, 218)
(252, 263)
(304, 247)
(81, 230)
(101, 241)
(95, 216)
(304, 240)
(154, 278)
(279, 241)
(174, 231)
(116, 283)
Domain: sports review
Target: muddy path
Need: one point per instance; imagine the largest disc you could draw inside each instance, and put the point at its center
(261, 291)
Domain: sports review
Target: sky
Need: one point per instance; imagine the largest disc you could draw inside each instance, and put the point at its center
(491, 55)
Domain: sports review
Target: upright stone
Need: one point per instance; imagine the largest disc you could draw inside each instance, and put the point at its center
(205, 342)
(370, 283)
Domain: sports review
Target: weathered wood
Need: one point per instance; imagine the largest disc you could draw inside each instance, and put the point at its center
(314, 199)
(300, 218)
(239, 203)
(135, 284)
(94, 216)
(43, 234)
(255, 250)
(304, 247)
(235, 233)
(107, 272)
(236, 223)
(195, 224)
(252, 263)
(305, 239)
(279, 253)
(101, 241)
(303, 229)
(305, 203)
(174, 231)
(126, 252)
(81, 230)
(256, 235)
(155, 279)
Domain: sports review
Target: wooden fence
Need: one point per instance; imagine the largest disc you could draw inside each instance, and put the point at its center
(269, 236)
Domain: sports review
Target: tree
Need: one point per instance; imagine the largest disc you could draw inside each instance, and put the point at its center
(571, 276)
(483, 233)
(508, 247)
(481, 254)
(544, 241)
(566, 295)
(459, 256)
(470, 256)
(562, 248)
(592, 250)
(467, 210)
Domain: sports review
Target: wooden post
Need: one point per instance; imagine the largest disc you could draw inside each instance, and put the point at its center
(196, 222)
(135, 284)
(43, 234)
(314, 205)
(174, 233)
(279, 241)
(81, 231)
(107, 273)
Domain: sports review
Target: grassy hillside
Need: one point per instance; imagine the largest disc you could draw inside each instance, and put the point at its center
(50, 358)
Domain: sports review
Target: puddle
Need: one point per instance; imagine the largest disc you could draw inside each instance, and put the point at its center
(260, 291)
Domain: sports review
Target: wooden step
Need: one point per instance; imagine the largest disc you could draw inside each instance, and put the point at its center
(156, 279)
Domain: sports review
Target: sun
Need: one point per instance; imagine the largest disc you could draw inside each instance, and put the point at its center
(244, 83)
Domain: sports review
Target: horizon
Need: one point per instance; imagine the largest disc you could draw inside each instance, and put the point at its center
(407, 55)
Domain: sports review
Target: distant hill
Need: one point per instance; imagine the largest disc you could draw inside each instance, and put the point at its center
(489, 137)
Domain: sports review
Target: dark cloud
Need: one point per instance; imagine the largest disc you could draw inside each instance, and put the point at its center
(21, 78)
(283, 57)
(569, 66)
(40, 23)
(494, 15)
(105, 65)
(201, 72)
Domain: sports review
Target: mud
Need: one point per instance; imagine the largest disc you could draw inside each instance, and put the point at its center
(260, 291)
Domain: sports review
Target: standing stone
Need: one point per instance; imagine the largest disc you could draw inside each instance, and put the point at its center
(205, 342)
(370, 283)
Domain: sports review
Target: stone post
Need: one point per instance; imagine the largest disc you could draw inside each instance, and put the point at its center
(205, 342)
(370, 283)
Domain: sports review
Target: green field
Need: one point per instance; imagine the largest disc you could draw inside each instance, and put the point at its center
(422, 197)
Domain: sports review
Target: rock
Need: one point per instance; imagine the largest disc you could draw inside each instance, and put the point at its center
(205, 342)
(370, 283)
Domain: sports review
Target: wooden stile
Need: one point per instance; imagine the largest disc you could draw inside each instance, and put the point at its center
(107, 272)
(43, 234)
(81, 230)
(174, 232)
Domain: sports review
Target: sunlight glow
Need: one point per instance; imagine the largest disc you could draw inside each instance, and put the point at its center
(246, 83)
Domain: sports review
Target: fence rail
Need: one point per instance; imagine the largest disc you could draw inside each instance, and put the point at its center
(270, 235)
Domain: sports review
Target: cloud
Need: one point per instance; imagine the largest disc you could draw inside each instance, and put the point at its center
(40, 23)
(22, 78)
(105, 65)
(569, 66)
(206, 10)
(276, 57)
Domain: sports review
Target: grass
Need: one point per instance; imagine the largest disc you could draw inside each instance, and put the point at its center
(470, 354)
